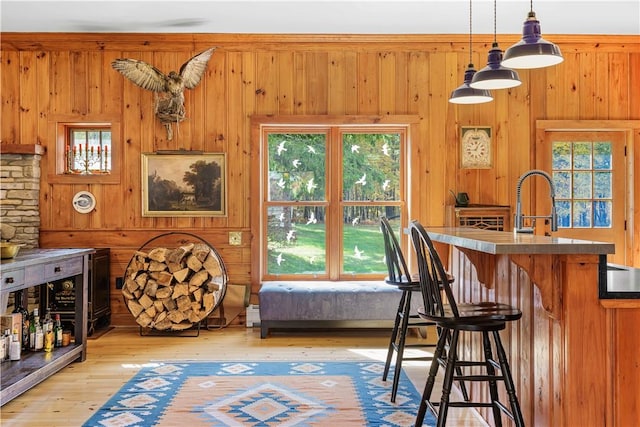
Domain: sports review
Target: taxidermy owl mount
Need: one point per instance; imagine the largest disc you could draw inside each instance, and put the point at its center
(168, 89)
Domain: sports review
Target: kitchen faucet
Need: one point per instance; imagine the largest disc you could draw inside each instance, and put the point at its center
(519, 220)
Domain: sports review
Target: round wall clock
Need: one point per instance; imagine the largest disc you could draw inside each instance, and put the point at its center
(475, 148)
(84, 202)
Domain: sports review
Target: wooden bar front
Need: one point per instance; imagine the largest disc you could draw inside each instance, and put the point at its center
(575, 362)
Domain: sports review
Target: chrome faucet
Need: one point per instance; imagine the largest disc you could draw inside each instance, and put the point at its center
(519, 220)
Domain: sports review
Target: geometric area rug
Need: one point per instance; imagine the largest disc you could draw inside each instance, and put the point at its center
(274, 394)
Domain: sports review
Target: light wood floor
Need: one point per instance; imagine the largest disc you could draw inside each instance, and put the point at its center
(71, 396)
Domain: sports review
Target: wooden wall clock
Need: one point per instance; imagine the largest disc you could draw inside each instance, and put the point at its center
(476, 147)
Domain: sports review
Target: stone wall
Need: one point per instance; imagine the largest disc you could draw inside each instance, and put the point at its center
(19, 198)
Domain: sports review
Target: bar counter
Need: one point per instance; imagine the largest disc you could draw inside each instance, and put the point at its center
(576, 361)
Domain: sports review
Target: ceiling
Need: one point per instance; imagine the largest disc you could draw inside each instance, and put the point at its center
(318, 16)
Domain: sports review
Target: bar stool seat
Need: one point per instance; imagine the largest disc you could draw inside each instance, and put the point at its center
(486, 318)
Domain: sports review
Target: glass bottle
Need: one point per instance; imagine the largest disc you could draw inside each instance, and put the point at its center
(8, 337)
(4, 349)
(47, 330)
(39, 335)
(33, 329)
(47, 319)
(14, 349)
(23, 334)
(57, 332)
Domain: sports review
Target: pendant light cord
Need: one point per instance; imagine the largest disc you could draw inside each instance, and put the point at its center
(470, 34)
(531, 6)
(495, 31)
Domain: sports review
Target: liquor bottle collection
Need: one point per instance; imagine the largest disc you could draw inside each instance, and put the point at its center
(30, 333)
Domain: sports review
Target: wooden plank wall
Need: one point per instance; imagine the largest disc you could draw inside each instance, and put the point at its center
(48, 76)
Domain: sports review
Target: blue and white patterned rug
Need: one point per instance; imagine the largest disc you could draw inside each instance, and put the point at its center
(260, 394)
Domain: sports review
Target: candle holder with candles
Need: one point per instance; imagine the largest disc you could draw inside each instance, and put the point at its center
(87, 160)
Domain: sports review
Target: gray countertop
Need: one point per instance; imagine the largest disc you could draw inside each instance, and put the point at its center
(27, 257)
(504, 242)
(621, 281)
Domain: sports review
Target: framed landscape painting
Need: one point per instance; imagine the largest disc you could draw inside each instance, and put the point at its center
(176, 185)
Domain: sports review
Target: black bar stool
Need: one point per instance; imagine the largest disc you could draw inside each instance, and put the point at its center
(487, 318)
(399, 276)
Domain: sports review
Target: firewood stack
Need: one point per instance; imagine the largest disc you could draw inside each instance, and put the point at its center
(174, 289)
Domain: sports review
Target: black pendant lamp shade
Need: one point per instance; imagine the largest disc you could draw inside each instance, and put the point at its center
(494, 75)
(532, 51)
(465, 94)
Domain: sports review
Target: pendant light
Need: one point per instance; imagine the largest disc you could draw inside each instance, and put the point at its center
(494, 75)
(532, 51)
(465, 94)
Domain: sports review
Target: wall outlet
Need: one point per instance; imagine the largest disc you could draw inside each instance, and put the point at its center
(119, 282)
(235, 238)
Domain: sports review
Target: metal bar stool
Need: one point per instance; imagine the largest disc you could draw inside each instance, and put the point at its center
(486, 318)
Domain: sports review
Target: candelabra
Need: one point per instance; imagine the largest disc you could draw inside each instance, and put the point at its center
(90, 160)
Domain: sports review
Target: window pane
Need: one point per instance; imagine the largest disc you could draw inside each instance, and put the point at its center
(561, 156)
(602, 185)
(602, 156)
(602, 214)
(582, 155)
(363, 243)
(296, 240)
(563, 209)
(582, 185)
(88, 151)
(371, 166)
(584, 192)
(562, 184)
(297, 167)
(106, 151)
(581, 214)
(93, 138)
(79, 137)
(350, 174)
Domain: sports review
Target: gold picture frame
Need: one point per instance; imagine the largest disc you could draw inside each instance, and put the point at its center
(183, 185)
(476, 147)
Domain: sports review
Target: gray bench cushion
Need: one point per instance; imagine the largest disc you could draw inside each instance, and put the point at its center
(299, 304)
(328, 301)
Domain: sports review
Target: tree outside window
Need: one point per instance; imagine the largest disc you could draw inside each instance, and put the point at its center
(582, 175)
(324, 191)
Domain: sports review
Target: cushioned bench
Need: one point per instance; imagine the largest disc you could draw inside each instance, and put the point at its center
(350, 304)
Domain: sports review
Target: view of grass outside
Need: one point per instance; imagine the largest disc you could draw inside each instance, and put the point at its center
(304, 252)
(307, 190)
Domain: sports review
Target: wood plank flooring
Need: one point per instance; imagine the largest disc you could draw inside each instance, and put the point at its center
(71, 396)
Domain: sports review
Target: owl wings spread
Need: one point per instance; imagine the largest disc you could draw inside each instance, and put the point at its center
(169, 89)
(149, 77)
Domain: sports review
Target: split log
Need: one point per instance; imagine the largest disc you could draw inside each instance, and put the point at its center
(174, 288)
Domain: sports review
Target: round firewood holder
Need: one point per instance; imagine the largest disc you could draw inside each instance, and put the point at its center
(173, 282)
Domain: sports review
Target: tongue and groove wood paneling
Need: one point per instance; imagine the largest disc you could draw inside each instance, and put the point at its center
(48, 76)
